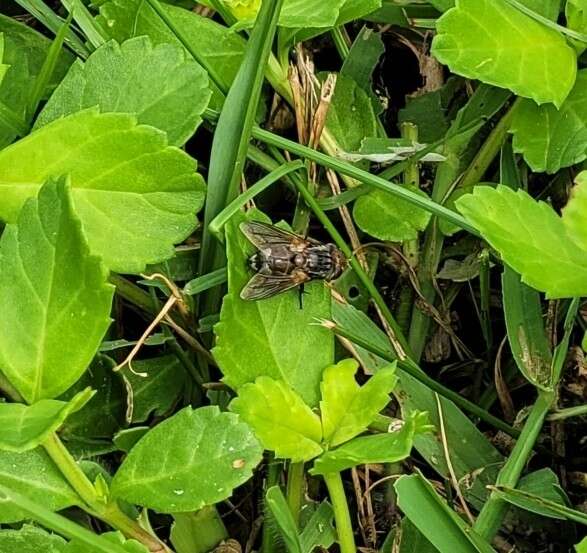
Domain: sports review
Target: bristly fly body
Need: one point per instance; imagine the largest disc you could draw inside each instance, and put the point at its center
(285, 260)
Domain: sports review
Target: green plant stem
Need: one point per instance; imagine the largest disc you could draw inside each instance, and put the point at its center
(58, 523)
(295, 489)
(562, 414)
(108, 512)
(342, 517)
(340, 42)
(274, 470)
(415, 371)
(434, 239)
(491, 516)
(489, 149)
(131, 292)
(399, 342)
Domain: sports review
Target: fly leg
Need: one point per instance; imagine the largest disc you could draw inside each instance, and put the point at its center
(301, 295)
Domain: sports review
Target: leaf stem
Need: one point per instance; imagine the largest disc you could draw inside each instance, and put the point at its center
(295, 489)
(108, 512)
(342, 517)
(561, 414)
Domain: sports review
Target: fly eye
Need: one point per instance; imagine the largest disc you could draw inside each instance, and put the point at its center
(298, 260)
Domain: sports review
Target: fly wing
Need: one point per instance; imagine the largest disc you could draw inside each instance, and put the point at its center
(263, 286)
(265, 236)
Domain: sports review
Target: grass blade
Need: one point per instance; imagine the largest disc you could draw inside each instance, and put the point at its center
(231, 139)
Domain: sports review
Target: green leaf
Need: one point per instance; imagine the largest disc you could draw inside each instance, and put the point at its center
(346, 408)
(254, 338)
(54, 298)
(164, 89)
(126, 439)
(192, 459)
(318, 531)
(135, 195)
(132, 546)
(472, 457)
(24, 427)
(379, 448)
(530, 237)
(525, 330)
(279, 509)
(160, 390)
(351, 115)
(551, 138)
(576, 15)
(388, 218)
(575, 211)
(491, 41)
(280, 418)
(581, 547)
(25, 51)
(539, 505)
(216, 44)
(446, 530)
(30, 539)
(103, 415)
(34, 475)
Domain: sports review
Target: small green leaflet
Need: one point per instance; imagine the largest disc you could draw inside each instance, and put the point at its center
(54, 298)
(24, 427)
(551, 138)
(280, 418)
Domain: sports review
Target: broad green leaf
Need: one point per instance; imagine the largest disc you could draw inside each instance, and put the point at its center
(547, 8)
(25, 51)
(581, 547)
(166, 89)
(388, 218)
(530, 237)
(346, 408)
(24, 427)
(430, 513)
(544, 483)
(378, 448)
(492, 41)
(525, 330)
(216, 44)
(280, 419)
(192, 459)
(351, 115)
(551, 138)
(103, 415)
(254, 338)
(30, 539)
(135, 195)
(34, 475)
(160, 390)
(575, 212)
(54, 298)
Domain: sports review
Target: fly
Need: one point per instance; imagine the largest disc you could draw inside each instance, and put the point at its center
(285, 260)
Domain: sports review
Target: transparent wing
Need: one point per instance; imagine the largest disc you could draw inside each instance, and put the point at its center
(263, 286)
(263, 235)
